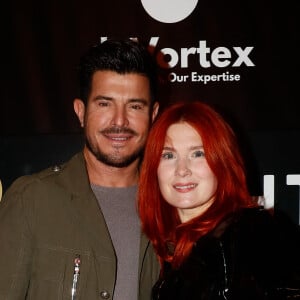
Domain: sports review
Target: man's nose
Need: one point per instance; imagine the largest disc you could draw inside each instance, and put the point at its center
(119, 117)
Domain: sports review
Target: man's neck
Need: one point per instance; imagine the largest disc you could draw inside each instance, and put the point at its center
(105, 175)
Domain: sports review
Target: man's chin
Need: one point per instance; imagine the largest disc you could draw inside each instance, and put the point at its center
(116, 157)
(117, 161)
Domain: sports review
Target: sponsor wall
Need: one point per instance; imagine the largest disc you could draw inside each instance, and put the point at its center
(239, 57)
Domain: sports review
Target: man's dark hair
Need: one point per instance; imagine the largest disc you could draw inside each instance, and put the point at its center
(121, 56)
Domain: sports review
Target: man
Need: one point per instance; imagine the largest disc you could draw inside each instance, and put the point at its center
(72, 232)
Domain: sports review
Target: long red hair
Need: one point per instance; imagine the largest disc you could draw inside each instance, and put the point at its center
(160, 221)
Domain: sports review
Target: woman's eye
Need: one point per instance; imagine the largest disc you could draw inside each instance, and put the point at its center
(198, 153)
(167, 155)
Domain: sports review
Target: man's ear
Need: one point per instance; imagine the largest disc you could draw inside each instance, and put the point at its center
(155, 111)
(79, 109)
(0, 190)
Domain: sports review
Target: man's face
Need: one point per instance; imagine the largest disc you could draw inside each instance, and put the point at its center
(117, 117)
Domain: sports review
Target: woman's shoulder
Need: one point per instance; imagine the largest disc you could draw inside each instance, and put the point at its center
(257, 230)
(259, 226)
(265, 219)
(243, 220)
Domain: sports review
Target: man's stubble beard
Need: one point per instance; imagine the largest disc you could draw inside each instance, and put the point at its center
(115, 160)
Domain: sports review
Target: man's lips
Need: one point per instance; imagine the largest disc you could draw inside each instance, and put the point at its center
(118, 137)
(118, 134)
(184, 187)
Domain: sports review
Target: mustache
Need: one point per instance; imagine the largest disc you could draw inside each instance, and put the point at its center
(117, 130)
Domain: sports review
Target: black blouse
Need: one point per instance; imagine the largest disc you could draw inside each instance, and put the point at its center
(250, 256)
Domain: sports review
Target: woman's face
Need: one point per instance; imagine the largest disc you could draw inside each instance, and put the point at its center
(185, 179)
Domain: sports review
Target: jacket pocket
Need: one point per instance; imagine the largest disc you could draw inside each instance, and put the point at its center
(53, 274)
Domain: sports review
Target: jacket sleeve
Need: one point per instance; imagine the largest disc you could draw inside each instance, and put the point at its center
(15, 243)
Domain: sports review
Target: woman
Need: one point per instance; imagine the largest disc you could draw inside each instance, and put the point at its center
(212, 239)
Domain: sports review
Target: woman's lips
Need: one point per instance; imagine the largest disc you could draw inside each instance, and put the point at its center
(184, 187)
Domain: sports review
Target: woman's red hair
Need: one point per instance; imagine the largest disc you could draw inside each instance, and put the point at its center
(160, 220)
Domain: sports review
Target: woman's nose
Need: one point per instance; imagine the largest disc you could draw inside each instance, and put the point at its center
(182, 168)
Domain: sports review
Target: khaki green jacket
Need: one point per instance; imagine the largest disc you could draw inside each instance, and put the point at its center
(46, 220)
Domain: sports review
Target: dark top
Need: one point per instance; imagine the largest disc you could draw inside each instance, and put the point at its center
(251, 255)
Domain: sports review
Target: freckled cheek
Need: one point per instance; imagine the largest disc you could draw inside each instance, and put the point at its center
(165, 173)
(161, 175)
(164, 187)
(213, 179)
(211, 174)
(204, 170)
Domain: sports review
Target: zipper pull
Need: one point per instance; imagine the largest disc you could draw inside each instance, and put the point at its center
(75, 276)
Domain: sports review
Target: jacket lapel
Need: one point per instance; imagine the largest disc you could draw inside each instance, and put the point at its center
(74, 178)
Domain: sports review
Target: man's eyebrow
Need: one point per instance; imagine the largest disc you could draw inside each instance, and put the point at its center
(131, 100)
(102, 97)
(138, 100)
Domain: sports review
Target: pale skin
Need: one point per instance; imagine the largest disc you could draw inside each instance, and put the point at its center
(116, 121)
(185, 178)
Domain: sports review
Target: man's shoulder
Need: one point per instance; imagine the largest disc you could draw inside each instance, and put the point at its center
(46, 177)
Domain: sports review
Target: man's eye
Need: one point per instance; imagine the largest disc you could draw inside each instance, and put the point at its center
(103, 104)
(198, 153)
(167, 155)
(136, 106)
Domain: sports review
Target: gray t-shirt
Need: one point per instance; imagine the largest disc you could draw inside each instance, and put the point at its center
(118, 206)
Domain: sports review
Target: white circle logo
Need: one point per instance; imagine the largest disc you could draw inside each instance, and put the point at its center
(169, 11)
